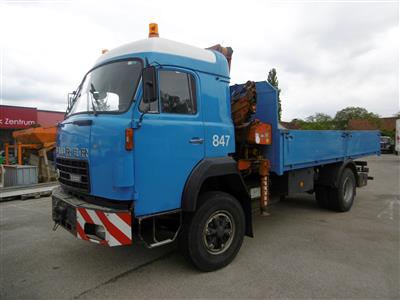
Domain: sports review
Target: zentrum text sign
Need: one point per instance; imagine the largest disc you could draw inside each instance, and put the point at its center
(17, 117)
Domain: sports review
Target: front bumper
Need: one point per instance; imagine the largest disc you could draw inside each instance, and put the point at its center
(90, 222)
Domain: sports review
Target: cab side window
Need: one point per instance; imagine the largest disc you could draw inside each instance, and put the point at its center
(177, 92)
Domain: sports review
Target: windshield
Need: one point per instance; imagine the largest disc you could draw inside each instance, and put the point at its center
(108, 88)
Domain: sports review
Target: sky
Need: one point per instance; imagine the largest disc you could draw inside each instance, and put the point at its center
(328, 54)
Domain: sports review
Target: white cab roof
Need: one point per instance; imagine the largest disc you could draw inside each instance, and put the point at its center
(160, 45)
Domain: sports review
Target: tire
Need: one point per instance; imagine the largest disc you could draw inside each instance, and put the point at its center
(341, 198)
(212, 236)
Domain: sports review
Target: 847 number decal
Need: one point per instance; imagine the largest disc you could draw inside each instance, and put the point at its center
(220, 140)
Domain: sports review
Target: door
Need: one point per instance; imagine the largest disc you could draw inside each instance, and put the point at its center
(169, 142)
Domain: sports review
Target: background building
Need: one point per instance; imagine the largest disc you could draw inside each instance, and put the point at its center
(18, 117)
(387, 124)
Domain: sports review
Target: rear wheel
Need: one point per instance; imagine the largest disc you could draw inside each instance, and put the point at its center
(341, 198)
(212, 235)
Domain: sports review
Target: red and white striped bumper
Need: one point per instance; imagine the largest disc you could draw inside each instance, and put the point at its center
(91, 222)
(117, 226)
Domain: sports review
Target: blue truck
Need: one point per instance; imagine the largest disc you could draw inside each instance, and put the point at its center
(157, 147)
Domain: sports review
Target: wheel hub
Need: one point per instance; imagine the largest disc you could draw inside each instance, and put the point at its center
(348, 190)
(218, 232)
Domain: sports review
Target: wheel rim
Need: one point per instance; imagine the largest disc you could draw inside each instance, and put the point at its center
(218, 233)
(348, 190)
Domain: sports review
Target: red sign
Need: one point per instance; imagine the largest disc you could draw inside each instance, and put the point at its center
(17, 117)
(49, 118)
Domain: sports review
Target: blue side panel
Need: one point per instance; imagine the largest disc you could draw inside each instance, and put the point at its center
(307, 148)
(304, 147)
(361, 143)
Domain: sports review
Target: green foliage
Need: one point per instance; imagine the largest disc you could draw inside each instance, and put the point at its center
(318, 121)
(273, 80)
(319, 118)
(343, 117)
(321, 121)
(390, 133)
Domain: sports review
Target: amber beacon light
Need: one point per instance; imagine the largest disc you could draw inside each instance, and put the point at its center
(153, 30)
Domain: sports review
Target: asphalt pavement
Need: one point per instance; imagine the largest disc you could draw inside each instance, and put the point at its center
(299, 251)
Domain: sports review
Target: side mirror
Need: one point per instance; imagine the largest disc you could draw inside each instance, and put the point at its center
(149, 81)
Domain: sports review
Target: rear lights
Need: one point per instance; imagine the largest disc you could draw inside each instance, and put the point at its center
(129, 139)
(259, 133)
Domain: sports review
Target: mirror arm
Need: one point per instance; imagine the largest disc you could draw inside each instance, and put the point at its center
(142, 114)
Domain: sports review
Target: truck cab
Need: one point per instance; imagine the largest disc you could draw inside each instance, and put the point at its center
(167, 136)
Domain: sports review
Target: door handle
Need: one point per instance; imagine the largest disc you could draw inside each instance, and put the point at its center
(196, 140)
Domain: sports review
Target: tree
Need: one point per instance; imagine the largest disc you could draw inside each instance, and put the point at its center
(343, 116)
(273, 80)
(319, 118)
(319, 121)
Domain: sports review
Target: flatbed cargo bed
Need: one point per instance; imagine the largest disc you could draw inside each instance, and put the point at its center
(308, 148)
(297, 149)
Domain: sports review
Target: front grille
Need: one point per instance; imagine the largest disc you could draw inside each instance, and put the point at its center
(74, 173)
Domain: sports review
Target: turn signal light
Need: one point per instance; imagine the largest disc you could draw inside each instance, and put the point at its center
(129, 139)
(153, 30)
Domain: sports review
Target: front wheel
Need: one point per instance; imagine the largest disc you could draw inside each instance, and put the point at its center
(212, 235)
